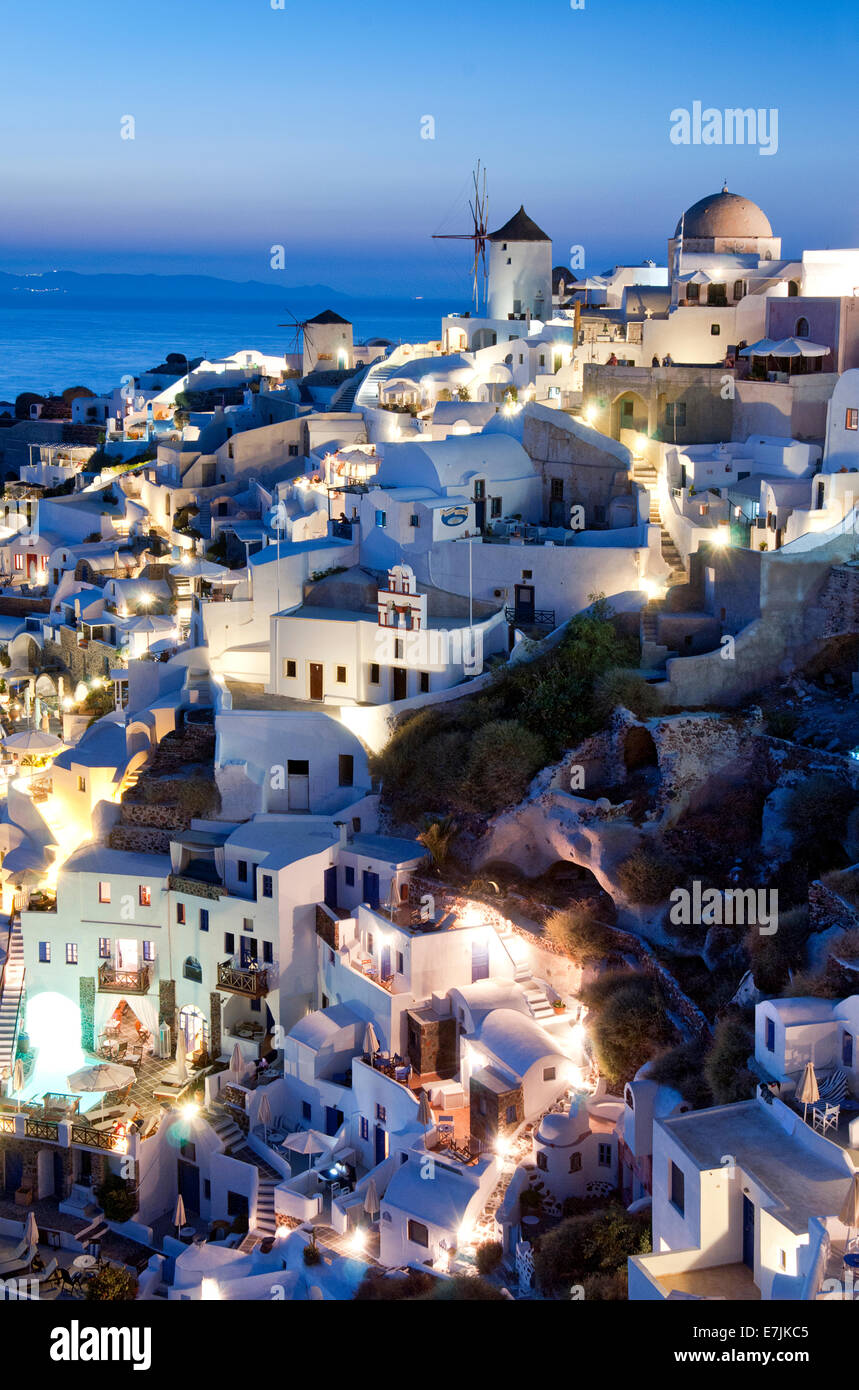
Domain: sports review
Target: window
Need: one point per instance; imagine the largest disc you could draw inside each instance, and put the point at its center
(398, 648)
(249, 949)
(267, 885)
(193, 970)
(847, 1049)
(400, 963)
(851, 421)
(675, 413)
(542, 1161)
(293, 451)
(341, 675)
(418, 1233)
(604, 1155)
(495, 508)
(364, 1125)
(715, 330)
(414, 520)
(104, 892)
(247, 924)
(267, 953)
(349, 874)
(356, 825)
(575, 1163)
(81, 784)
(739, 289)
(511, 1115)
(548, 1073)
(71, 953)
(678, 1189)
(479, 489)
(144, 895)
(424, 682)
(801, 329)
(180, 914)
(188, 1150)
(557, 489)
(374, 674)
(242, 870)
(346, 767)
(381, 1114)
(306, 1112)
(527, 574)
(381, 519)
(45, 952)
(770, 1035)
(290, 668)
(149, 950)
(104, 947)
(229, 943)
(204, 919)
(693, 294)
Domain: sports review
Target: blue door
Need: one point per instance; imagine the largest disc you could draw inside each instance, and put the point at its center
(381, 1144)
(331, 886)
(847, 1049)
(479, 960)
(371, 888)
(249, 951)
(14, 1172)
(333, 1119)
(189, 1185)
(748, 1233)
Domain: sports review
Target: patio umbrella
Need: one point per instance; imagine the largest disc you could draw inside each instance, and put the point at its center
(798, 347)
(31, 1230)
(264, 1114)
(808, 1091)
(199, 569)
(32, 741)
(18, 1078)
(425, 1115)
(101, 1076)
(371, 1199)
(371, 1041)
(179, 1214)
(237, 1063)
(181, 1058)
(849, 1213)
(306, 1141)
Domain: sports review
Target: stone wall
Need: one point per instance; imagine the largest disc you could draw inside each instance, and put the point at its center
(167, 1006)
(86, 995)
(82, 663)
(839, 601)
(139, 839)
(215, 1008)
(488, 1110)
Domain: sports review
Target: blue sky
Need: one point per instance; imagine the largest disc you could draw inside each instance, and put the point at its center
(300, 126)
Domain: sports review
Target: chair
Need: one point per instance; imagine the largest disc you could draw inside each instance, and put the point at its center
(48, 1274)
(825, 1117)
(20, 1261)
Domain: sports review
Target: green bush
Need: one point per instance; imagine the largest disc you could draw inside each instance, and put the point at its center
(681, 1067)
(115, 1200)
(629, 1023)
(816, 814)
(627, 689)
(596, 1243)
(489, 1256)
(462, 1288)
(576, 932)
(112, 1285)
(602, 1288)
(438, 839)
(775, 956)
(726, 1064)
(649, 876)
(504, 758)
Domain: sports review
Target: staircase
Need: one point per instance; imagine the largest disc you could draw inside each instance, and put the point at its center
(368, 390)
(10, 1001)
(645, 473)
(345, 397)
(236, 1146)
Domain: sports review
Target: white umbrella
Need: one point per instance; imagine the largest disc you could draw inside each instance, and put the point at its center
(849, 1213)
(808, 1091)
(18, 1078)
(371, 1199)
(32, 741)
(31, 1230)
(371, 1041)
(101, 1076)
(150, 622)
(238, 1065)
(798, 347)
(179, 1214)
(306, 1141)
(181, 1058)
(199, 569)
(264, 1114)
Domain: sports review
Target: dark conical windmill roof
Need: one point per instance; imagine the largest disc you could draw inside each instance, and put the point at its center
(328, 316)
(521, 227)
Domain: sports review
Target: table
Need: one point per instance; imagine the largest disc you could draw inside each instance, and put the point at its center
(84, 1262)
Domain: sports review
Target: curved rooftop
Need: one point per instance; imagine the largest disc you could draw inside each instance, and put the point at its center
(724, 214)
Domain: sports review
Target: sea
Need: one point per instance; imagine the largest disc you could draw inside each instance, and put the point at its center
(51, 341)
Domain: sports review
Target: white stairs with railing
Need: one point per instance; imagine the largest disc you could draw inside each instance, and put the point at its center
(10, 1001)
(368, 391)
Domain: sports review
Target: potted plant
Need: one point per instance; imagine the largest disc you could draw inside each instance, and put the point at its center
(311, 1253)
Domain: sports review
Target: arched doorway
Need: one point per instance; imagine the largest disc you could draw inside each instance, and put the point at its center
(629, 412)
(194, 1025)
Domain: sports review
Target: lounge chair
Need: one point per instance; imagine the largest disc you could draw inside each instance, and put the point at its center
(833, 1088)
(20, 1261)
(48, 1274)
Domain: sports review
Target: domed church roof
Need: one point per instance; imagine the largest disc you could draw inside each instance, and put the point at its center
(724, 215)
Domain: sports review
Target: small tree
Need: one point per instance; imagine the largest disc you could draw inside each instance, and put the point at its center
(648, 876)
(438, 838)
(576, 932)
(726, 1065)
(116, 1201)
(112, 1284)
(489, 1256)
(504, 758)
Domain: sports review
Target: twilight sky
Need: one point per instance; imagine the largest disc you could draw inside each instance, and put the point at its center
(300, 126)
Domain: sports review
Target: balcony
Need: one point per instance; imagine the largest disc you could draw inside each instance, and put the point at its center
(238, 979)
(113, 981)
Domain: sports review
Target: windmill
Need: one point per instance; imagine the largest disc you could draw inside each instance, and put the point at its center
(479, 206)
(301, 339)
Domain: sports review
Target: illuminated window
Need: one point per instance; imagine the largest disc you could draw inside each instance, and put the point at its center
(851, 421)
(144, 894)
(71, 953)
(104, 892)
(45, 952)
